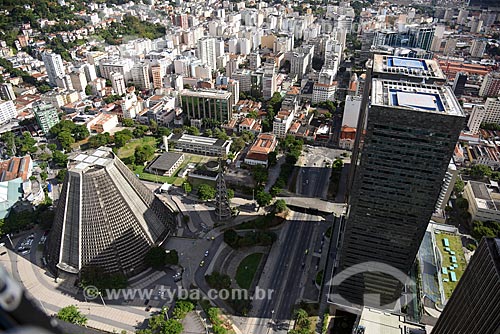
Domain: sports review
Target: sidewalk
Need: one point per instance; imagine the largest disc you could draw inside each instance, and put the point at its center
(45, 290)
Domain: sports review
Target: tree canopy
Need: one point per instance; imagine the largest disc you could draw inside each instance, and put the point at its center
(72, 314)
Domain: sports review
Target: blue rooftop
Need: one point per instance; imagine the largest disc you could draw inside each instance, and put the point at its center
(406, 62)
(417, 100)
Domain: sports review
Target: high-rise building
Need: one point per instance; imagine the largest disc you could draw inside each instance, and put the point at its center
(474, 306)
(490, 85)
(78, 79)
(54, 66)
(447, 187)
(450, 46)
(269, 84)
(7, 92)
(476, 118)
(478, 47)
(492, 110)
(118, 83)
(207, 104)
(410, 132)
(254, 60)
(459, 83)
(207, 52)
(46, 116)
(8, 111)
(156, 73)
(140, 76)
(233, 86)
(106, 217)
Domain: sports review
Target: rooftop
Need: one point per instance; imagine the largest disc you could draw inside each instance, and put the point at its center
(487, 196)
(207, 93)
(377, 321)
(165, 161)
(413, 67)
(101, 157)
(415, 96)
(198, 140)
(264, 144)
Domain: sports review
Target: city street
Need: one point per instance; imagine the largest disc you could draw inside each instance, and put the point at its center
(290, 266)
(315, 170)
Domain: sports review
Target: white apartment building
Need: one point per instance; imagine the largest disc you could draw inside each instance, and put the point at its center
(282, 122)
(54, 66)
(323, 92)
(207, 52)
(492, 110)
(78, 79)
(352, 109)
(122, 66)
(140, 76)
(244, 76)
(476, 118)
(118, 83)
(8, 111)
(484, 201)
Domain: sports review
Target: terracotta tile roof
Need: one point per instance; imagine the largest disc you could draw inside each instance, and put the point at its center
(15, 167)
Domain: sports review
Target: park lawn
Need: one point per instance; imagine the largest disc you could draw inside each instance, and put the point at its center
(456, 246)
(247, 269)
(261, 223)
(129, 148)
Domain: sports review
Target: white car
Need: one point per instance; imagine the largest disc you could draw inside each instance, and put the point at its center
(206, 253)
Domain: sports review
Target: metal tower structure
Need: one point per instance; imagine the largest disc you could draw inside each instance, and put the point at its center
(222, 206)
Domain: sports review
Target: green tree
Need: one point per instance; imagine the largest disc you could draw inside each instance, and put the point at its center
(121, 138)
(263, 198)
(208, 133)
(259, 174)
(66, 140)
(462, 203)
(237, 145)
(153, 126)
(280, 206)
(61, 175)
(230, 193)
(172, 326)
(128, 122)
(155, 258)
(172, 257)
(182, 307)
(206, 192)
(88, 90)
(72, 314)
(100, 139)
(59, 158)
(301, 318)
(187, 187)
(459, 186)
(272, 158)
(163, 131)
(80, 132)
(480, 171)
(231, 238)
(140, 131)
(8, 139)
(143, 153)
(193, 130)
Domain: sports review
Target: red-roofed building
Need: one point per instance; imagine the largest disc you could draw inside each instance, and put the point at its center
(16, 167)
(347, 137)
(259, 151)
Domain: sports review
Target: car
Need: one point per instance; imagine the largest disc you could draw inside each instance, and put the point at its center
(146, 302)
(206, 253)
(2, 244)
(202, 263)
(307, 251)
(3, 253)
(148, 308)
(27, 251)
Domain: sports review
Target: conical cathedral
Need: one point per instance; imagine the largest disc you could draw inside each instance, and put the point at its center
(106, 217)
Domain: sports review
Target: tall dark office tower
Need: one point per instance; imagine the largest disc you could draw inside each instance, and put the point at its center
(474, 306)
(459, 83)
(411, 131)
